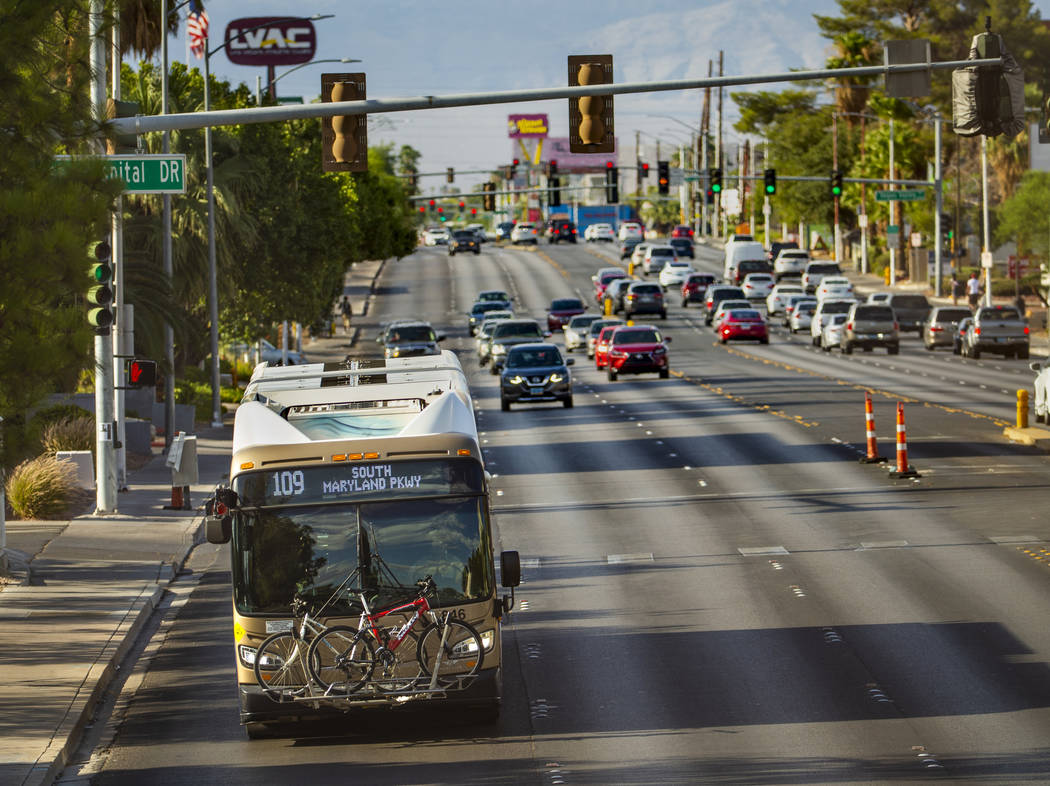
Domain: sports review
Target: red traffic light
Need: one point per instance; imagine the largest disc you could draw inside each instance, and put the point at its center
(432, 203)
(473, 211)
(422, 209)
(441, 210)
(462, 204)
(608, 164)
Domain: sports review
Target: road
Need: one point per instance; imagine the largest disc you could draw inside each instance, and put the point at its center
(715, 590)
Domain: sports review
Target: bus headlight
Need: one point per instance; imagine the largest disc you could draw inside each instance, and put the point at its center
(247, 655)
(468, 647)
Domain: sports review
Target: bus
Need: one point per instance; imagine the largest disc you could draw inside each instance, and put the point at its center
(359, 477)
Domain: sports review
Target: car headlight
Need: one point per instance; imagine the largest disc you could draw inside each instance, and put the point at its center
(616, 353)
(660, 351)
(557, 378)
(395, 352)
(499, 349)
(516, 380)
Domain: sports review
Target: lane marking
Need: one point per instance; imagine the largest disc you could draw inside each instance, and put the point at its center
(758, 551)
(618, 559)
(882, 544)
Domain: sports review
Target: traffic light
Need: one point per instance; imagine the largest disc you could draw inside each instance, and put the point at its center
(836, 183)
(473, 211)
(771, 181)
(508, 172)
(488, 201)
(515, 163)
(663, 177)
(433, 205)
(714, 177)
(122, 143)
(462, 205)
(643, 171)
(344, 138)
(450, 175)
(142, 374)
(423, 209)
(551, 169)
(100, 294)
(554, 198)
(612, 185)
(591, 117)
(441, 214)
(413, 182)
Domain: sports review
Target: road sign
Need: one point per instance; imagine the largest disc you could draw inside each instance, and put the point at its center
(900, 195)
(146, 173)
(892, 229)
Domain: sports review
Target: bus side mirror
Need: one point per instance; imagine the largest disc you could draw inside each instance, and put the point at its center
(217, 530)
(510, 568)
(218, 515)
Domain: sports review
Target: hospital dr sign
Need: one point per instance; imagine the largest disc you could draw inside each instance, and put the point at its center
(270, 41)
(145, 173)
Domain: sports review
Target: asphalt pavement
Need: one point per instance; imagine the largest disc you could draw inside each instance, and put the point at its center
(81, 591)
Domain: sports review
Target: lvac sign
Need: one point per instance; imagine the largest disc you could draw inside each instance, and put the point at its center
(146, 174)
(270, 41)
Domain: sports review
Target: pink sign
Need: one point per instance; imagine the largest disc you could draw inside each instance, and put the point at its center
(556, 148)
(527, 126)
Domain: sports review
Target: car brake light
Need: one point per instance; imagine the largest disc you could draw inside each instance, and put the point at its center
(977, 331)
(849, 326)
(1026, 330)
(896, 326)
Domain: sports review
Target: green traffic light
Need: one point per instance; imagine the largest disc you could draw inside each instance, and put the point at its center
(716, 187)
(771, 189)
(836, 191)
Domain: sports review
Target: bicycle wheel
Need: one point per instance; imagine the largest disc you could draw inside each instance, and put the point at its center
(451, 649)
(341, 660)
(397, 670)
(279, 667)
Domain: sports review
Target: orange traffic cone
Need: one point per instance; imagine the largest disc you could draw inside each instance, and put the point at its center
(903, 470)
(873, 456)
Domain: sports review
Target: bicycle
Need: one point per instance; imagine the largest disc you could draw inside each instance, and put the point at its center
(448, 651)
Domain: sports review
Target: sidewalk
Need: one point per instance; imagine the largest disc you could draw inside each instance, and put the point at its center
(89, 585)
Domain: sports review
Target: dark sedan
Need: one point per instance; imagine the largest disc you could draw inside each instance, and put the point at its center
(562, 310)
(535, 372)
(683, 246)
(477, 312)
(627, 246)
(463, 240)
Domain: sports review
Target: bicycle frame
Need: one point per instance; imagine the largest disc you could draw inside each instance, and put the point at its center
(421, 606)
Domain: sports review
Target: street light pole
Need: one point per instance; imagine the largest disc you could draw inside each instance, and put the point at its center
(275, 80)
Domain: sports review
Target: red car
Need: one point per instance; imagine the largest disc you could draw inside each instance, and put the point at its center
(601, 347)
(743, 323)
(637, 349)
(682, 231)
(694, 288)
(562, 310)
(602, 279)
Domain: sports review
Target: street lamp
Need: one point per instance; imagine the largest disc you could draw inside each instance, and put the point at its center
(258, 80)
(213, 281)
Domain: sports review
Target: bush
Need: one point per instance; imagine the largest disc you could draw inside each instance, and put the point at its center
(196, 393)
(48, 415)
(41, 487)
(71, 433)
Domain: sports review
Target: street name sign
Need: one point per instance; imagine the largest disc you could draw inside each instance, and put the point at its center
(900, 195)
(146, 173)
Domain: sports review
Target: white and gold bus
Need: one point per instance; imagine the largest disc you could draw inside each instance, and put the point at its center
(370, 470)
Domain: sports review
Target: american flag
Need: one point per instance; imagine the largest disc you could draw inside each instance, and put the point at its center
(197, 28)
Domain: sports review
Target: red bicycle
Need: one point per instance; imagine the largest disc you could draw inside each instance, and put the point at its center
(448, 651)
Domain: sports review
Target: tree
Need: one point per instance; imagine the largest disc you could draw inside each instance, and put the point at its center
(48, 216)
(852, 50)
(1023, 218)
(760, 110)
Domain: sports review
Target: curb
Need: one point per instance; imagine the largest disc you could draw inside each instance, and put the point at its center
(1031, 436)
(14, 566)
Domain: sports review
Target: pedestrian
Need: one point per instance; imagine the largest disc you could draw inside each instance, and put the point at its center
(957, 289)
(347, 311)
(973, 289)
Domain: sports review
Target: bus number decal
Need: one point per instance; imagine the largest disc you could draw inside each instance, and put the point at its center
(285, 484)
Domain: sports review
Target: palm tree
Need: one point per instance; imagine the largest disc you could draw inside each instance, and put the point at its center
(852, 50)
(140, 27)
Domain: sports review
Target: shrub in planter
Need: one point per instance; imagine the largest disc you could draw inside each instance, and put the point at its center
(41, 487)
(71, 433)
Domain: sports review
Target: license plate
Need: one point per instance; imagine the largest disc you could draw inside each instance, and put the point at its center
(535, 391)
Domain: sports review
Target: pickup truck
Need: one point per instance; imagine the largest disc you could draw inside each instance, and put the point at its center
(998, 329)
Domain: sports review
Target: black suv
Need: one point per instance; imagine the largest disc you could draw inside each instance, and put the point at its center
(561, 229)
(535, 372)
(463, 240)
(406, 338)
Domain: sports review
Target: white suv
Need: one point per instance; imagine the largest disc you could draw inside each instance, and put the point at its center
(524, 233)
(790, 262)
(630, 229)
(599, 232)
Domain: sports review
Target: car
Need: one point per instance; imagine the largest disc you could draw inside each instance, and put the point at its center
(404, 339)
(602, 279)
(801, 316)
(656, 256)
(484, 333)
(268, 353)
(479, 232)
(1040, 384)
(535, 372)
(435, 236)
(833, 330)
(637, 255)
(834, 286)
(601, 346)
(790, 263)
(637, 349)
(561, 310)
(825, 308)
(644, 298)
(463, 240)
(778, 296)
(694, 287)
(674, 272)
(596, 328)
(494, 295)
(912, 310)
(683, 246)
(509, 333)
(745, 267)
(559, 229)
(780, 245)
(878, 297)
(627, 246)
(503, 230)
(631, 229)
(682, 230)
(743, 323)
(815, 271)
(757, 286)
(794, 301)
(939, 328)
(599, 232)
(1000, 330)
(738, 251)
(479, 310)
(742, 237)
(869, 325)
(614, 294)
(725, 306)
(524, 233)
(715, 295)
(960, 335)
(575, 330)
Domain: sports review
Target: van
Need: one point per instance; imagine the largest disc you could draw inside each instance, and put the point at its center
(738, 251)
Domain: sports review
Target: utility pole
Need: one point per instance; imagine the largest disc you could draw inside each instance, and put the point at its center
(754, 191)
(937, 228)
(893, 215)
(835, 165)
(987, 248)
(719, 218)
(121, 326)
(863, 217)
(705, 132)
(169, 332)
(638, 163)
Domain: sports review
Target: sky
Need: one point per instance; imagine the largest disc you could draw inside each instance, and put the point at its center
(418, 48)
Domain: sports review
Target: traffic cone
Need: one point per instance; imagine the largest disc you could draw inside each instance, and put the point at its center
(903, 470)
(873, 456)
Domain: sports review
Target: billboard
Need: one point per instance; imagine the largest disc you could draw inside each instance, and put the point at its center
(527, 126)
(556, 148)
(270, 41)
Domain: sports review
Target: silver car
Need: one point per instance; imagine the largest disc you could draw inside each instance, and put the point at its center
(802, 315)
(576, 330)
(832, 334)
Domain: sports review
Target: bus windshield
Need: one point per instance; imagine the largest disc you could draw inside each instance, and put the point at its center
(310, 550)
